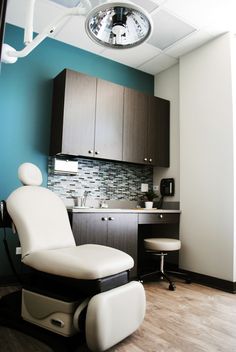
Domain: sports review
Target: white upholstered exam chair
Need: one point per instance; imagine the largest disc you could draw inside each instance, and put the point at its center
(68, 281)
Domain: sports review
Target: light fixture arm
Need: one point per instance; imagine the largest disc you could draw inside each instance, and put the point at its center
(118, 25)
(10, 55)
(28, 34)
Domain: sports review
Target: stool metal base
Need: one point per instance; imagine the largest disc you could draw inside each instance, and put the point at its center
(164, 274)
(161, 275)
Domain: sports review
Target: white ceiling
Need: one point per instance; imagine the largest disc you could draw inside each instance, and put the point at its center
(179, 27)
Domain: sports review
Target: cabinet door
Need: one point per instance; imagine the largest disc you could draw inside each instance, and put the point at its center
(158, 132)
(89, 228)
(79, 114)
(109, 120)
(123, 235)
(164, 132)
(135, 126)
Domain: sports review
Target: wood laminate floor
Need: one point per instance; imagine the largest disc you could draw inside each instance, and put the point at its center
(193, 318)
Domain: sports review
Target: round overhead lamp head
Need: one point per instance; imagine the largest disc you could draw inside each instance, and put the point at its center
(118, 25)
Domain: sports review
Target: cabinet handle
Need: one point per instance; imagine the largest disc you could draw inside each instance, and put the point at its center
(104, 219)
(150, 160)
(96, 153)
(161, 216)
(145, 159)
(111, 218)
(90, 151)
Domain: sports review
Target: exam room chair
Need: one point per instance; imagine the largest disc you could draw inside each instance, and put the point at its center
(72, 288)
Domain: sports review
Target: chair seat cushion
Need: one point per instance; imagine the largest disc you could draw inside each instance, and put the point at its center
(162, 244)
(86, 262)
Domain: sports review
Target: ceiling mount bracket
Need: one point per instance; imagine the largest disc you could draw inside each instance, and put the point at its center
(10, 55)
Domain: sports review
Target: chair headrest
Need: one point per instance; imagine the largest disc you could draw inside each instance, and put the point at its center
(30, 175)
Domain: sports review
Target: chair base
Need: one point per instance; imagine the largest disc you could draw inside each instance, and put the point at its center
(50, 313)
(10, 317)
(165, 275)
(161, 275)
(104, 319)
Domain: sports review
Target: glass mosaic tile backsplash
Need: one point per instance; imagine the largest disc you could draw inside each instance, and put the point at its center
(102, 179)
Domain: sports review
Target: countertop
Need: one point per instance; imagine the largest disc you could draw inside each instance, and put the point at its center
(111, 210)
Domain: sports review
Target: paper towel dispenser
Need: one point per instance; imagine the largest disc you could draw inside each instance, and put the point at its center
(167, 187)
(63, 166)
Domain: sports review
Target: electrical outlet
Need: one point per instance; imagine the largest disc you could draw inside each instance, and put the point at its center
(18, 250)
(144, 187)
(156, 188)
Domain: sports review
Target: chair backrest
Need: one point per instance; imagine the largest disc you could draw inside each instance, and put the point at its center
(39, 215)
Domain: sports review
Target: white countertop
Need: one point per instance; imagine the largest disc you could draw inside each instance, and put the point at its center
(111, 210)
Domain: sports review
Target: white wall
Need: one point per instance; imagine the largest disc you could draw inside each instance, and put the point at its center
(167, 87)
(207, 160)
(233, 64)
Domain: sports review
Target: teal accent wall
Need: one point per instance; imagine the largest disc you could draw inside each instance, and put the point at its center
(25, 103)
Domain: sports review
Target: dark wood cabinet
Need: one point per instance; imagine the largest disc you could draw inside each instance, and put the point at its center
(146, 129)
(160, 218)
(109, 120)
(135, 126)
(122, 234)
(126, 232)
(89, 228)
(115, 230)
(99, 119)
(158, 131)
(87, 117)
(73, 114)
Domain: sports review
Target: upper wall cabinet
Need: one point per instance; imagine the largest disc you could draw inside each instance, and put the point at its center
(73, 114)
(87, 116)
(109, 120)
(99, 119)
(146, 129)
(158, 131)
(135, 126)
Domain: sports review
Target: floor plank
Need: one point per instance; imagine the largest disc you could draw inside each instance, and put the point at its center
(193, 318)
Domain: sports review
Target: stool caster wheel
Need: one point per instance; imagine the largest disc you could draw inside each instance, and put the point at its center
(172, 287)
(188, 281)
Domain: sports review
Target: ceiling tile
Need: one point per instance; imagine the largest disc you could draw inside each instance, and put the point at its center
(168, 29)
(159, 2)
(185, 45)
(158, 64)
(203, 13)
(67, 3)
(45, 12)
(195, 11)
(147, 5)
(133, 56)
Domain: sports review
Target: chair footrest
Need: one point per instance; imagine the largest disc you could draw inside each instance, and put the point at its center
(114, 315)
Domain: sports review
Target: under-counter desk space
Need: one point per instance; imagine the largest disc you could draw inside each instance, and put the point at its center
(125, 229)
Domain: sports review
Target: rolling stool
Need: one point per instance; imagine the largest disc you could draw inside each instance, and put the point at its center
(159, 246)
